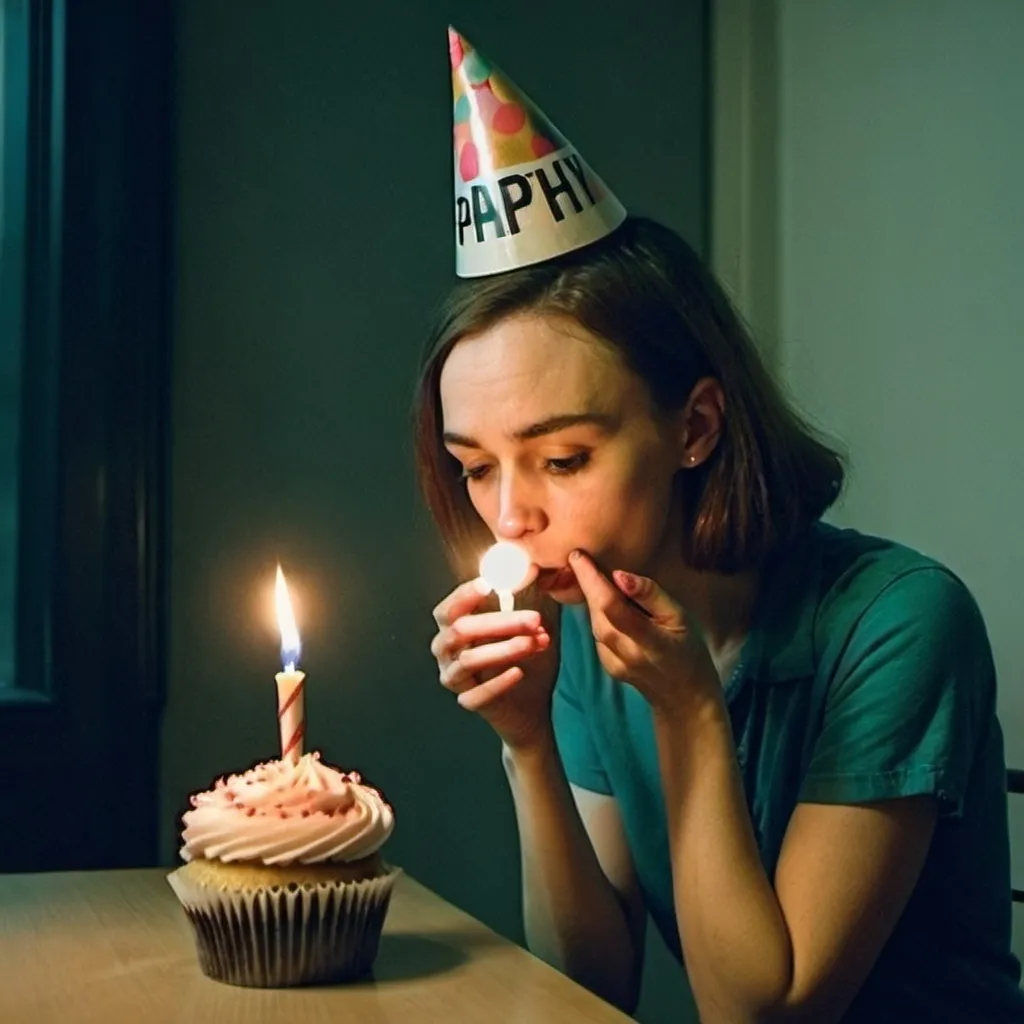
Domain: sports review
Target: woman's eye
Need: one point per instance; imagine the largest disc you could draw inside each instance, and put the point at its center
(474, 472)
(558, 467)
(570, 464)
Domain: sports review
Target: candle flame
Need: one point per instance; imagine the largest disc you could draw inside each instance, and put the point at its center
(291, 646)
(504, 566)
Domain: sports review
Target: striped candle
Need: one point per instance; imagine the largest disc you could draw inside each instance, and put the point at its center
(291, 711)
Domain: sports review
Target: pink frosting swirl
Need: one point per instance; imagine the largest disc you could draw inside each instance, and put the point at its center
(281, 813)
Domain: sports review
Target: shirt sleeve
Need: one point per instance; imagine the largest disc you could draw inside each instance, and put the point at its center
(573, 733)
(904, 708)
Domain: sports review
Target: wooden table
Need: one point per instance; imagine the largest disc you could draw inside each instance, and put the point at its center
(114, 947)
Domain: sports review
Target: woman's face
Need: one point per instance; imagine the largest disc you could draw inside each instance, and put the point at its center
(561, 448)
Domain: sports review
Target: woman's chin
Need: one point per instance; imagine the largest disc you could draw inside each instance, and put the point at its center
(570, 594)
(560, 585)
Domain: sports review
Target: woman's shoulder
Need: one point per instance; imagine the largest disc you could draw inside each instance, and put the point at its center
(869, 581)
(856, 565)
(848, 554)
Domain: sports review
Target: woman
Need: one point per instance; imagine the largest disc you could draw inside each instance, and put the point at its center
(776, 737)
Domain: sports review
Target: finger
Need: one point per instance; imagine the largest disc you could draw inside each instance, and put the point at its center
(456, 678)
(608, 606)
(600, 592)
(461, 601)
(613, 665)
(491, 656)
(461, 672)
(650, 598)
(469, 629)
(482, 695)
(614, 640)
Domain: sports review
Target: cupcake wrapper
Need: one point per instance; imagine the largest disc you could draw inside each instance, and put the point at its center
(297, 935)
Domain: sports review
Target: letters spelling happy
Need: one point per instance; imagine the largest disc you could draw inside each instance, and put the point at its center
(517, 192)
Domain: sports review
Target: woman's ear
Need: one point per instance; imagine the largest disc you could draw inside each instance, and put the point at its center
(701, 422)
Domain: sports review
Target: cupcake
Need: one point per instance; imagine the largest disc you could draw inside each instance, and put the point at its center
(284, 883)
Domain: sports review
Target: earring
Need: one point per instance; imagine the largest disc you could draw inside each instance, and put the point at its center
(691, 459)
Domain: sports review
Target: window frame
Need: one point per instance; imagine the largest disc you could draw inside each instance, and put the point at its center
(40, 347)
(90, 665)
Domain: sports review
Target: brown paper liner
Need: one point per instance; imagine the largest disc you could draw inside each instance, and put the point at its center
(297, 935)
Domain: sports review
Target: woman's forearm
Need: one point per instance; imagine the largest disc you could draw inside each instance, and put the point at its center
(573, 916)
(735, 941)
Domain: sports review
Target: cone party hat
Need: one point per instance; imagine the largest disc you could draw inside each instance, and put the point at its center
(523, 193)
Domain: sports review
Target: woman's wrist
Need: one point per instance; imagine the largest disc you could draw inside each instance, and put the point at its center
(691, 724)
(696, 704)
(537, 748)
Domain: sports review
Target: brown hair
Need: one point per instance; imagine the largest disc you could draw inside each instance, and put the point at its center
(644, 290)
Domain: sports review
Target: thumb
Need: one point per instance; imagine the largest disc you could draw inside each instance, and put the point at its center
(643, 591)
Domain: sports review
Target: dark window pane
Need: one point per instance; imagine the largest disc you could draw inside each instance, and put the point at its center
(14, 111)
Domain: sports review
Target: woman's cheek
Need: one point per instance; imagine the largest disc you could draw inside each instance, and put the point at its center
(485, 503)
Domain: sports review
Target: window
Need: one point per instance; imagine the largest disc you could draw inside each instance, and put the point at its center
(13, 146)
(30, 76)
(85, 130)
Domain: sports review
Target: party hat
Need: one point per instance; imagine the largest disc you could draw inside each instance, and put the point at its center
(523, 193)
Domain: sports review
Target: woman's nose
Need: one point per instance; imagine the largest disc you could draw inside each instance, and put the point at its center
(511, 525)
(516, 515)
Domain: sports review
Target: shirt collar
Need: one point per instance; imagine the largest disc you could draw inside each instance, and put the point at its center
(782, 636)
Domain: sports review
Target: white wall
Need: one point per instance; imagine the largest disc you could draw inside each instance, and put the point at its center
(901, 261)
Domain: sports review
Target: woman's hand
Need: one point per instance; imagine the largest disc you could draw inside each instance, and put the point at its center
(500, 664)
(643, 639)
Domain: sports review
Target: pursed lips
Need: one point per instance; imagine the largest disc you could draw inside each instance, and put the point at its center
(555, 578)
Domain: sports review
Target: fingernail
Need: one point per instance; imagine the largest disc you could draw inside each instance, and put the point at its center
(575, 555)
(627, 581)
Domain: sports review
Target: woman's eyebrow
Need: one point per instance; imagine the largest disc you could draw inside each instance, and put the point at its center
(550, 425)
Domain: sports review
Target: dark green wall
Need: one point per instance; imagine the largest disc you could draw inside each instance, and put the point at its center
(314, 238)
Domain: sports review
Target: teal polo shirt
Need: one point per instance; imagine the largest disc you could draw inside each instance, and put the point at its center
(867, 675)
